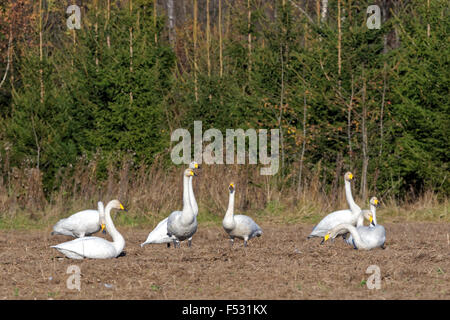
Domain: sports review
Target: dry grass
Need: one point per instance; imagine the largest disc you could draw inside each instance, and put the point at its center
(150, 193)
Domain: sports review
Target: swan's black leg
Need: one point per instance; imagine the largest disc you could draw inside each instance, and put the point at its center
(231, 242)
(168, 244)
(383, 247)
(189, 242)
(245, 243)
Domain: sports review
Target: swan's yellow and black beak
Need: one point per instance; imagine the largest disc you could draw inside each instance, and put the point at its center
(376, 202)
(197, 166)
(370, 218)
(325, 238)
(123, 208)
(103, 228)
(350, 176)
(231, 187)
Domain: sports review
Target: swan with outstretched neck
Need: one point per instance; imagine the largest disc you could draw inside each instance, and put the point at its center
(374, 231)
(159, 233)
(95, 247)
(80, 224)
(239, 226)
(335, 218)
(183, 224)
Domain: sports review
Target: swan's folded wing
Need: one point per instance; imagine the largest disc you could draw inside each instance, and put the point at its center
(330, 221)
(159, 234)
(88, 247)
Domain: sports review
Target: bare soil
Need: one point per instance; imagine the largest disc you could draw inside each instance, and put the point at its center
(282, 264)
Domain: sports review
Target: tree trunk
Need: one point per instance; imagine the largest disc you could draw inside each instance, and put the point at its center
(96, 34)
(195, 51)
(220, 39)
(41, 56)
(170, 13)
(365, 164)
(324, 10)
(131, 49)
(154, 21)
(108, 16)
(249, 40)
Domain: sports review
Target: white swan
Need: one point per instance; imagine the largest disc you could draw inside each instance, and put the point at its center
(183, 224)
(95, 247)
(239, 226)
(342, 216)
(80, 224)
(159, 233)
(369, 239)
(373, 230)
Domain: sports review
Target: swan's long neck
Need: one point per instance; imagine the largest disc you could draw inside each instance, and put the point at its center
(229, 215)
(192, 197)
(351, 203)
(360, 221)
(360, 244)
(374, 214)
(118, 240)
(188, 215)
(101, 212)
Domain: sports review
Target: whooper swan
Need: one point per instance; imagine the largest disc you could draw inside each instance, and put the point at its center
(95, 247)
(342, 216)
(80, 224)
(183, 224)
(373, 231)
(159, 233)
(239, 226)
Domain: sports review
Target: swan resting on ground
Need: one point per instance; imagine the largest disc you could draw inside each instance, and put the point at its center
(183, 224)
(373, 231)
(95, 247)
(239, 226)
(335, 218)
(159, 233)
(374, 238)
(80, 224)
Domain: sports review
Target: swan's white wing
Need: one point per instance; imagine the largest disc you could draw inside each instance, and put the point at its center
(175, 227)
(159, 234)
(82, 223)
(245, 227)
(373, 237)
(87, 247)
(330, 221)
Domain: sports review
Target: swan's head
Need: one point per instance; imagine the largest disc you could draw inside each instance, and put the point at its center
(115, 204)
(374, 201)
(368, 215)
(231, 187)
(348, 176)
(189, 173)
(194, 165)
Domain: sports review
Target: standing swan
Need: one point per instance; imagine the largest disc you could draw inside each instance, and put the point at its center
(239, 226)
(373, 230)
(183, 224)
(159, 234)
(95, 247)
(342, 216)
(80, 224)
(370, 239)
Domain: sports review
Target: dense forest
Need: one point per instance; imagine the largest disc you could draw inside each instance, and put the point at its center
(88, 112)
